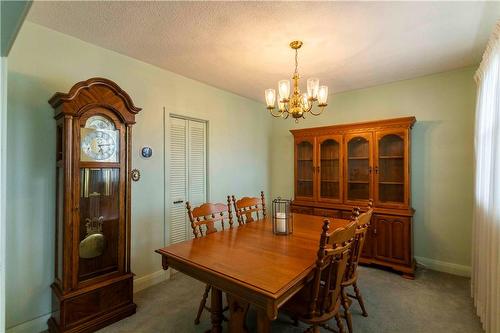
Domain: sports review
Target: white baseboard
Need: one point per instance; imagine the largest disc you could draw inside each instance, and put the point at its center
(40, 324)
(443, 266)
(35, 325)
(150, 280)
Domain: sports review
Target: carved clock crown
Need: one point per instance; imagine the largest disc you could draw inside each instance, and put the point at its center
(94, 92)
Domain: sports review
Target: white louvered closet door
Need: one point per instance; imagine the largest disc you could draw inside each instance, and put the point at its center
(187, 173)
(197, 181)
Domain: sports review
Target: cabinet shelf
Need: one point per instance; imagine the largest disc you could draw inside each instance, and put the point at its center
(305, 160)
(391, 157)
(304, 180)
(358, 158)
(329, 159)
(358, 181)
(329, 181)
(391, 183)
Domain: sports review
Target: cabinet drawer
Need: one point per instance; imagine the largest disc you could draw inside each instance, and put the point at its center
(346, 214)
(97, 302)
(302, 210)
(327, 212)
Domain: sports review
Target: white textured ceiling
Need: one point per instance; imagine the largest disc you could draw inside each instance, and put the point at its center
(243, 46)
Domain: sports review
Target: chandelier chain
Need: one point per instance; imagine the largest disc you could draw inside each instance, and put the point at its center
(296, 60)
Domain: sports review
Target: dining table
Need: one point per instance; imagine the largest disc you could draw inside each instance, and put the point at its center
(251, 265)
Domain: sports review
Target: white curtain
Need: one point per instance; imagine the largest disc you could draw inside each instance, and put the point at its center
(486, 223)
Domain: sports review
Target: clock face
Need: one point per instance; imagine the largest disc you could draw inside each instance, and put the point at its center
(99, 122)
(99, 145)
(99, 140)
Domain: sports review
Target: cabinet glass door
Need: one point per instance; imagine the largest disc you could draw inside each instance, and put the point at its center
(358, 167)
(390, 169)
(304, 168)
(330, 168)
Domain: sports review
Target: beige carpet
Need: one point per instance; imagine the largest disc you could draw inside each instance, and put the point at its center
(433, 302)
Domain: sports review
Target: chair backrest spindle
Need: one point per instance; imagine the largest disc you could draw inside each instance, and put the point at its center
(207, 215)
(362, 223)
(249, 209)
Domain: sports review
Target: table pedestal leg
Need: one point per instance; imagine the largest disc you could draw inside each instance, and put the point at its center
(216, 310)
(263, 322)
(238, 309)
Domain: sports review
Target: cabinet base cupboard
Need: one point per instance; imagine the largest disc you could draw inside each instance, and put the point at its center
(343, 166)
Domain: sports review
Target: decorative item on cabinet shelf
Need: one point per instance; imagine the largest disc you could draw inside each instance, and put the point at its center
(282, 217)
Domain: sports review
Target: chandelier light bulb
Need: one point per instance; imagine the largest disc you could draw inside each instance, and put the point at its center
(281, 106)
(313, 87)
(270, 97)
(284, 89)
(322, 95)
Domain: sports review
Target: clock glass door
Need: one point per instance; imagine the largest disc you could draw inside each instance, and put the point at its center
(100, 199)
(99, 220)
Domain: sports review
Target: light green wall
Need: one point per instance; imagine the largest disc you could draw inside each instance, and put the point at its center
(12, 15)
(442, 153)
(42, 62)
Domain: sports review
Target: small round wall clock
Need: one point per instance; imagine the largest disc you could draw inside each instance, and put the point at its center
(146, 152)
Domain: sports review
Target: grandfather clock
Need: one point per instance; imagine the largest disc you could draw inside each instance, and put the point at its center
(93, 284)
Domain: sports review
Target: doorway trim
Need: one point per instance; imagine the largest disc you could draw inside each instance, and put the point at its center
(3, 180)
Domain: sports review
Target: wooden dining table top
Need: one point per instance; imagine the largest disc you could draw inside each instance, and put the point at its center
(252, 256)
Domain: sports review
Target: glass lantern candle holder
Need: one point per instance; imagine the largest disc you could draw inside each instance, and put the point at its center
(282, 217)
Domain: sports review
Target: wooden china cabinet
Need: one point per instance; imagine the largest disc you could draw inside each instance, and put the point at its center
(93, 284)
(343, 166)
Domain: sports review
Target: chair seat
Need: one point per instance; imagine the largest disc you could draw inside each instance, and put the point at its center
(350, 281)
(298, 308)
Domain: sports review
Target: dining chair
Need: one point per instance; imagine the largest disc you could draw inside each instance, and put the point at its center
(203, 222)
(247, 206)
(351, 275)
(319, 300)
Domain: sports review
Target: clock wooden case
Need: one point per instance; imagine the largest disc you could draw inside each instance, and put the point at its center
(93, 284)
(343, 166)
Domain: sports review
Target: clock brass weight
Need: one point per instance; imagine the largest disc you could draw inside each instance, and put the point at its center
(93, 284)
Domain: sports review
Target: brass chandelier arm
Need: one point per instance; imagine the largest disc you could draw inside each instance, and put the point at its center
(280, 114)
(320, 112)
(309, 108)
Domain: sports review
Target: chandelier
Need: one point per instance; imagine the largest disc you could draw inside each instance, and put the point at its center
(296, 104)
